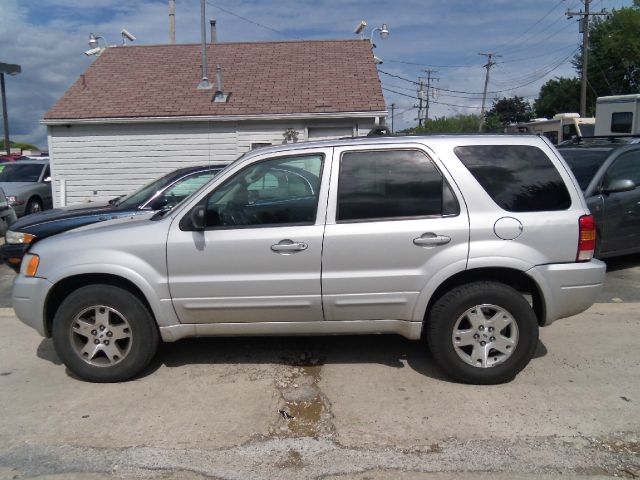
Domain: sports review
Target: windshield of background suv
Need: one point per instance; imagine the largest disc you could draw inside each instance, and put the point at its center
(21, 172)
(584, 163)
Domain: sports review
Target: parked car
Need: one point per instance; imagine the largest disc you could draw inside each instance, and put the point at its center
(472, 241)
(167, 191)
(609, 175)
(27, 184)
(7, 213)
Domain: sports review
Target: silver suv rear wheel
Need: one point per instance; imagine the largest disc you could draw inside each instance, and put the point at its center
(482, 332)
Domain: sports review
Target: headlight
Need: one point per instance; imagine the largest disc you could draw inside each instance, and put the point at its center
(18, 237)
(30, 264)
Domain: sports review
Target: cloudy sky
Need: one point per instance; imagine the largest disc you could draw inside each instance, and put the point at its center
(535, 39)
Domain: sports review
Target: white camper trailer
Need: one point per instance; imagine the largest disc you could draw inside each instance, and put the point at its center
(618, 115)
(563, 126)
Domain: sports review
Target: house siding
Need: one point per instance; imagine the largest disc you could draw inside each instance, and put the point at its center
(99, 162)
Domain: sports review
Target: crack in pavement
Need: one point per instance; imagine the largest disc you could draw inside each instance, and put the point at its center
(307, 457)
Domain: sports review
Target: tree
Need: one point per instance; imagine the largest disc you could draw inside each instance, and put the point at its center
(510, 110)
(614, 54)
(455, 124)
(21, 146)
(558, 95)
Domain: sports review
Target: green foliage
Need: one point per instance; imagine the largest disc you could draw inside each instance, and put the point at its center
(22, 146)
(614, 54)
(510, 110)
(456, 124)
(558, 95)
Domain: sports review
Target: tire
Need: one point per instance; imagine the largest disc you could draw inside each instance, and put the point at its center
(488, 312)
(33, 206)
(117, 352)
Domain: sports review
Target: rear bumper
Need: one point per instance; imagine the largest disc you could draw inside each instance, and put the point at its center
(569, 288)
(29, 295)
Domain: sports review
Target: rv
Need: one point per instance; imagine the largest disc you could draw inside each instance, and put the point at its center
(563, 126)
(618, 115)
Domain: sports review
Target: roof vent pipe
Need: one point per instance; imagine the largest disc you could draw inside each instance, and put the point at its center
(204, 82)
(219, 96)
(214, 33)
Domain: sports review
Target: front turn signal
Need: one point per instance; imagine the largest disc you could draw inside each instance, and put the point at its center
(30, 264)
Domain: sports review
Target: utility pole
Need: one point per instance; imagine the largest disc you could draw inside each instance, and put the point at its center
(429, 79)
(9, 69)
(584, 29)
(393, 108)
(172, 21)
(420, 98)
(490, 63)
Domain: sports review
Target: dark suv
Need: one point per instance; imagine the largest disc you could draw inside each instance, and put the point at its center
(164, 192)
(608, 172)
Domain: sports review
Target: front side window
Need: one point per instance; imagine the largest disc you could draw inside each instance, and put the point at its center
(621, 122)
(391, 184)
(626, 167)
(277, 192)
(519, 178)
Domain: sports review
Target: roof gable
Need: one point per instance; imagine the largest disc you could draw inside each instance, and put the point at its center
(262, 78)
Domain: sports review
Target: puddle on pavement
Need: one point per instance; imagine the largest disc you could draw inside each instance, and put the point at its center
(304, 411)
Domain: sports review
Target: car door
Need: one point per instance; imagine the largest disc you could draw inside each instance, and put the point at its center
(621, 210)
(393, 221)
(258, 258)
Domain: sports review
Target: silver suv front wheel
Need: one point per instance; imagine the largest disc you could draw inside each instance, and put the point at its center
(104, 333)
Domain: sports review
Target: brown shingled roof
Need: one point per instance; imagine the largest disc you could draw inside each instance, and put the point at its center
(263, 78)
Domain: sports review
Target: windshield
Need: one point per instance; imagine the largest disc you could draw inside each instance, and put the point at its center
(146, 192)
(21, 172)
(584, 163)
(587, 129)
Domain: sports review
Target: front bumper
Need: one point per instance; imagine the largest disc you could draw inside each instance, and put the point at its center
(569, 288)
(29, 295)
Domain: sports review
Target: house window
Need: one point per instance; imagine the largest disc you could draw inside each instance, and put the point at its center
(260, 145)
(621, 122)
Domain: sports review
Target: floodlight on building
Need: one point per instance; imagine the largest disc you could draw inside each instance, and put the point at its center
(94, 45)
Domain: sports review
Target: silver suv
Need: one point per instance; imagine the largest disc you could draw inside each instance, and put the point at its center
(471, 242)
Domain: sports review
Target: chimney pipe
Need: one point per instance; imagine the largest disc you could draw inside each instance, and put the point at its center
(172, 21)
(219, 79)
(204, 81)
(214, 33)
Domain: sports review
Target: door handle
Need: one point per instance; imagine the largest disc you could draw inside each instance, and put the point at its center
(288, 246)
(431, 240)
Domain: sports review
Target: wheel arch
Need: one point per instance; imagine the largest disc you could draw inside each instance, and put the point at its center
(66, 286)
(508, 276)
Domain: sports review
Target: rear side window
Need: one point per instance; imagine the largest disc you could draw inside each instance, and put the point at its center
(391, 184)
(519, 178)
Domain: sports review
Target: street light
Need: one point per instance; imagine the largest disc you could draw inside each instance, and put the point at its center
(94, 45)
(9, 69)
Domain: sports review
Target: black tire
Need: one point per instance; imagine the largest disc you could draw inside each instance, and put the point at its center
(139, 324)
(452, 306)
(34, 205)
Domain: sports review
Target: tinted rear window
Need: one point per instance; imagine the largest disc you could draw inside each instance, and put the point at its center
(519, 178)
(584, 163)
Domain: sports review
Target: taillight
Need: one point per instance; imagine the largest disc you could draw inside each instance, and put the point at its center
(586, 238)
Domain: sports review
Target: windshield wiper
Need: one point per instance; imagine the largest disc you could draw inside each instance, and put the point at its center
(115, 201)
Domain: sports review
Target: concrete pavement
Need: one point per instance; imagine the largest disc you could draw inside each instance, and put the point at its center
(329, 407)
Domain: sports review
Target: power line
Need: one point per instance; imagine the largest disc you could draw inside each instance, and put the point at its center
(515, 41)
(252, 22)
(433, 101)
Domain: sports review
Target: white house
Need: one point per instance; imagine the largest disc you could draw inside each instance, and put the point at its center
(136, 113)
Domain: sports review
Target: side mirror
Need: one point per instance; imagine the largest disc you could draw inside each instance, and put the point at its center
(620, 185)
(158, 203)
(198, 217)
